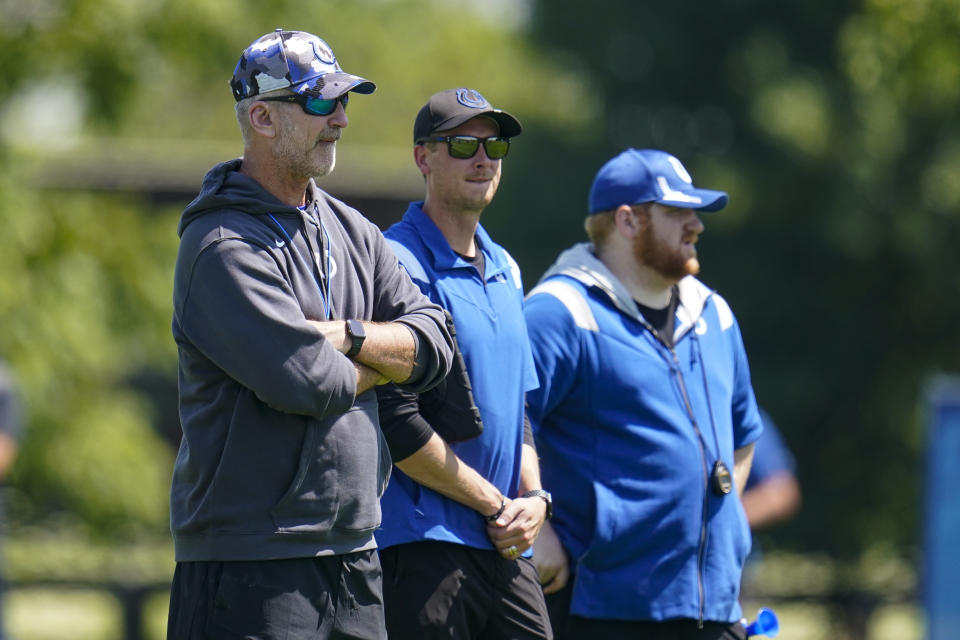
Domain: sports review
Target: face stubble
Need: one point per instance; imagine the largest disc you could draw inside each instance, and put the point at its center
(299, 154)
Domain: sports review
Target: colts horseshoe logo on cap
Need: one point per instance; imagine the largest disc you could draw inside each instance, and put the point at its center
(681, 171)
(323, 52)
(472, 99)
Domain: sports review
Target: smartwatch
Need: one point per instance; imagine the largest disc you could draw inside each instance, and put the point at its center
(540, 493)
(357, 335)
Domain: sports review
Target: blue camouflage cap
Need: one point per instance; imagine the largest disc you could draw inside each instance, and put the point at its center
(296, 60)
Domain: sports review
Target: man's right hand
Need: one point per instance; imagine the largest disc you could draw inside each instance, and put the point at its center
(551, 560)
(368, 378)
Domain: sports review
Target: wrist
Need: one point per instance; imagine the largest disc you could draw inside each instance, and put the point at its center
(493, 518)
(543, 495)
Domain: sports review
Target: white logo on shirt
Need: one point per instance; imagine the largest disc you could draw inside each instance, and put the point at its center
(701, 327)
(330, 261)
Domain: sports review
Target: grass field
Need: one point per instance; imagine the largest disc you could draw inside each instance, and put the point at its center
(54, 614)
(47, 614)
(796, 586)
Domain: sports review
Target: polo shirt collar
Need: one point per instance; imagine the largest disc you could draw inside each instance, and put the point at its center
(443, 256)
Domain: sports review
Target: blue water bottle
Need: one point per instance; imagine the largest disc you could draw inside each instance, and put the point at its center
(766, 624)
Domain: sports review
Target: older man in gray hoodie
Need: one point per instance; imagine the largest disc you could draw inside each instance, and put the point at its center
(289, 308)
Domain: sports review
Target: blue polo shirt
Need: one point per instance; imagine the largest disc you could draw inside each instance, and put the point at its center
(488, 314)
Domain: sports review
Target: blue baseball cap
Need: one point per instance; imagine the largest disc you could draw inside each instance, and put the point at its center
(296, 60)
(636, 176)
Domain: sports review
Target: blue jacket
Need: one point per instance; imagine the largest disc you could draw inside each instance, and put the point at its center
(492, 335)
(647, 538)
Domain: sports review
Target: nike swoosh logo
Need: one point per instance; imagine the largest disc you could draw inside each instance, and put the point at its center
(280, 243)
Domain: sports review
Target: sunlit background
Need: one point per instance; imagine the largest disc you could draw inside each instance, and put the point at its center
(832, 125)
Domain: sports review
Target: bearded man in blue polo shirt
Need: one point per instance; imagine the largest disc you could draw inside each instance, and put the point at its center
(460, 516)
(645, 418)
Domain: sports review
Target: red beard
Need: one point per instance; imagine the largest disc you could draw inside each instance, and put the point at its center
(668, 262)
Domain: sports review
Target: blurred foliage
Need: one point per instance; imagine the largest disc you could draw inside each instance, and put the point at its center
(161, 69)
(832, 125)
(84, 301)
(32, 554)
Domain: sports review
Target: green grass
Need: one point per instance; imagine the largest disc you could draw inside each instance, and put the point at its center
(54, 613)
(51, 614)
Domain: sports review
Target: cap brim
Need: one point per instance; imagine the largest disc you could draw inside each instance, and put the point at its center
(698, 200)
(509, 126)
(334, 85)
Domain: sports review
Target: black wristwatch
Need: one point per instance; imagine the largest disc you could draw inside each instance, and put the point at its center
(357, 335)
(540, 493)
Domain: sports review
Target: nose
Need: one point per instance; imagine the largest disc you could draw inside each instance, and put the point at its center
(481, 158)
(339, 117)
(694, 223)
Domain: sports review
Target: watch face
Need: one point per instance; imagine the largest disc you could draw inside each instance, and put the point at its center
(357, 335)
(355, 328)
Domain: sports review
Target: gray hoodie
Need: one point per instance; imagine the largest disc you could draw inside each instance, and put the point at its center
(279, 458)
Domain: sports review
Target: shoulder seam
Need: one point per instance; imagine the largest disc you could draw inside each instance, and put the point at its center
(572, 298)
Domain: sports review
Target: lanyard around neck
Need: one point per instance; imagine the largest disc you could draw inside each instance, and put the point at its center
(324, 286)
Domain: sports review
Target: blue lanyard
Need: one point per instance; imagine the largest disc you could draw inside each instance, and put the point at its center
(325, 288)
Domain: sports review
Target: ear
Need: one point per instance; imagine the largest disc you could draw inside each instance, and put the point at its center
(420, 153)
(629, 224)
(262, 119)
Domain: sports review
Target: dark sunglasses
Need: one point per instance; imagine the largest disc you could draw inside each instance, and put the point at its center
(310, 105)
(466, 146)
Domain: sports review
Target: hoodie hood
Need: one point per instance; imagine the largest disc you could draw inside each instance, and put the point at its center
(224, 187)
(580, 263)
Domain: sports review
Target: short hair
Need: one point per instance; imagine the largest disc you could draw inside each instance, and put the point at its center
(242, 109)
(599, 226)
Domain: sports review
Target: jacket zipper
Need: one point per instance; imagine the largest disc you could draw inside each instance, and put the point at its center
(701, 554)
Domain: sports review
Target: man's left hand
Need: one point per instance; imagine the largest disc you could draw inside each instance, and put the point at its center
(521, 523)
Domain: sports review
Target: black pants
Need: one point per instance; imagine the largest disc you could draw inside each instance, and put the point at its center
(570, 627)
(435, 590)
(330, 597)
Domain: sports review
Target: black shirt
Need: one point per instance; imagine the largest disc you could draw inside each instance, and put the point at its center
(476, 261)
(662, 320)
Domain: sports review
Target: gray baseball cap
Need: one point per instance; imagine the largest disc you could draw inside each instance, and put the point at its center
(297, 60)
(452, 107)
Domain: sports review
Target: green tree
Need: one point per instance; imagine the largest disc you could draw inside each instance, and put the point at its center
(84, 306)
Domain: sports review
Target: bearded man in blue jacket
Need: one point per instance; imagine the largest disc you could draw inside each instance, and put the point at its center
(645, 417)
